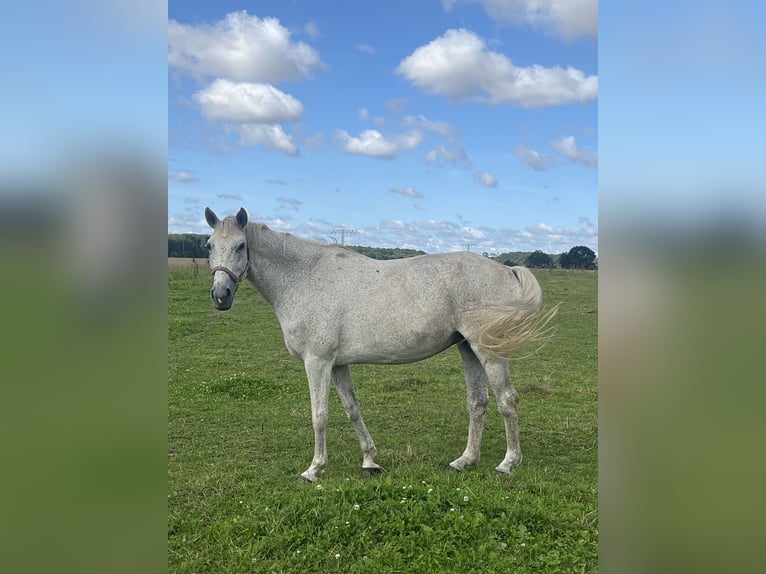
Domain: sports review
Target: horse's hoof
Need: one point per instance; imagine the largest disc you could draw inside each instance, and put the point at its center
(451, 468)
(305, 479)
(371, 471)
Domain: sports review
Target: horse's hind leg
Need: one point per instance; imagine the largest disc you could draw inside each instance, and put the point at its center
(345, 387)
(477, 395)
(496, 369)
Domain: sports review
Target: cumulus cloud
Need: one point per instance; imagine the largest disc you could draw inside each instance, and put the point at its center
(406, 192)
(533, 158)
(566, 18)
(271, 136)
(568, 148)
(242, 48)
(182, 176)
(247, 102)
(485, 178)
(230, 196)
(375, 144)
(458, 65)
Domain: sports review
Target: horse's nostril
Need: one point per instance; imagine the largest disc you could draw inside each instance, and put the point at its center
(228, 292)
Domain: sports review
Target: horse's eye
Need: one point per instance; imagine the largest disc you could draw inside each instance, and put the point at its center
(240, 247)
(207, 246)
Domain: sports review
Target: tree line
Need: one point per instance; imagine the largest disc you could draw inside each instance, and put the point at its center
(579, 257)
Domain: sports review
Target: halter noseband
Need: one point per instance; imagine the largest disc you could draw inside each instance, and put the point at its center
(230, 273)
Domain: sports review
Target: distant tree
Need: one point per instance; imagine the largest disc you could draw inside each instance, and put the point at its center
(385, 252)
(512, 258)
(538, 259)
(579, 257)
(187, 245)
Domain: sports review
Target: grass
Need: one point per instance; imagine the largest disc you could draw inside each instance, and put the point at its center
(240, 433)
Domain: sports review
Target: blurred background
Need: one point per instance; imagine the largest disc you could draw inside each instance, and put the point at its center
(83, 230)
(83, 286)
(682, 262)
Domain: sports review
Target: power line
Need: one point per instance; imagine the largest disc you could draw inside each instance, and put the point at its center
(343, 232)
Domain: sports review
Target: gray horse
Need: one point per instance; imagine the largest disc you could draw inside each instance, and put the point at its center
(338, 308)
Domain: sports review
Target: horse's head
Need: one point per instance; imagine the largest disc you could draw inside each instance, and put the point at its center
(229, 256)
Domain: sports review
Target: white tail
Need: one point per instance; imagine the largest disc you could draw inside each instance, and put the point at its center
(506, 328)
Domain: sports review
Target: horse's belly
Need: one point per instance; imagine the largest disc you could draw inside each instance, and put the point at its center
(403, 347)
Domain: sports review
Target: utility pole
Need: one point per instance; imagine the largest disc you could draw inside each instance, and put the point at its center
(468, 246)
(343, 232)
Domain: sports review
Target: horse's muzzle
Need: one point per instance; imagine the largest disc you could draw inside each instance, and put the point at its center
(222, 297)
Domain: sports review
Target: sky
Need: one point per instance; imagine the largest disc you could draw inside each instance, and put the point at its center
(439, 125)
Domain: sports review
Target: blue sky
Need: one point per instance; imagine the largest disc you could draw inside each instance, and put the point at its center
(429, 125)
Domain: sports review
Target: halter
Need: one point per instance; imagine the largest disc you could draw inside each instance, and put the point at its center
(230, 273)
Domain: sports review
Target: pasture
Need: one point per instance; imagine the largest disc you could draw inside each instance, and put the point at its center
(239, 434)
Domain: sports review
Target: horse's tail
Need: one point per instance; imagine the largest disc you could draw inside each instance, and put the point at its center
(507, 327)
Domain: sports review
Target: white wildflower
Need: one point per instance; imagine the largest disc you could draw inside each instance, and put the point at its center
(356, 507)
(465, 499)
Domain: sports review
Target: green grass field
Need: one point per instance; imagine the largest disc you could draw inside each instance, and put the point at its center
(239, 434)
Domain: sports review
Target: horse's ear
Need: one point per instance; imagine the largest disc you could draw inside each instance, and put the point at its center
(242, 217)
(210, 217)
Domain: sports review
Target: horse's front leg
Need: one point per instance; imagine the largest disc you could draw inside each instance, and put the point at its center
(318, 372)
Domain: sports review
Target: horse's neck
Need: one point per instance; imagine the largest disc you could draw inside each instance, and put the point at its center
(278, 260)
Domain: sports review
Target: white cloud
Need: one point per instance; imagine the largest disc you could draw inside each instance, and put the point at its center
(459, 66)
(567, 147)
(364, 48)
(315, 141)
(406, 191)
(440, 127)
(182, 176)
(485, 178)
(230, 196)
(375, 144)
(533, 158)
(567, 18)
(247, 102)
(364, 114)
(456, 155)
(271, 136)
(241, 48)
(471, 233)
(312, 30)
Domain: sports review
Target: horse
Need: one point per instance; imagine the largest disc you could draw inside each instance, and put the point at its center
(337, 308)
